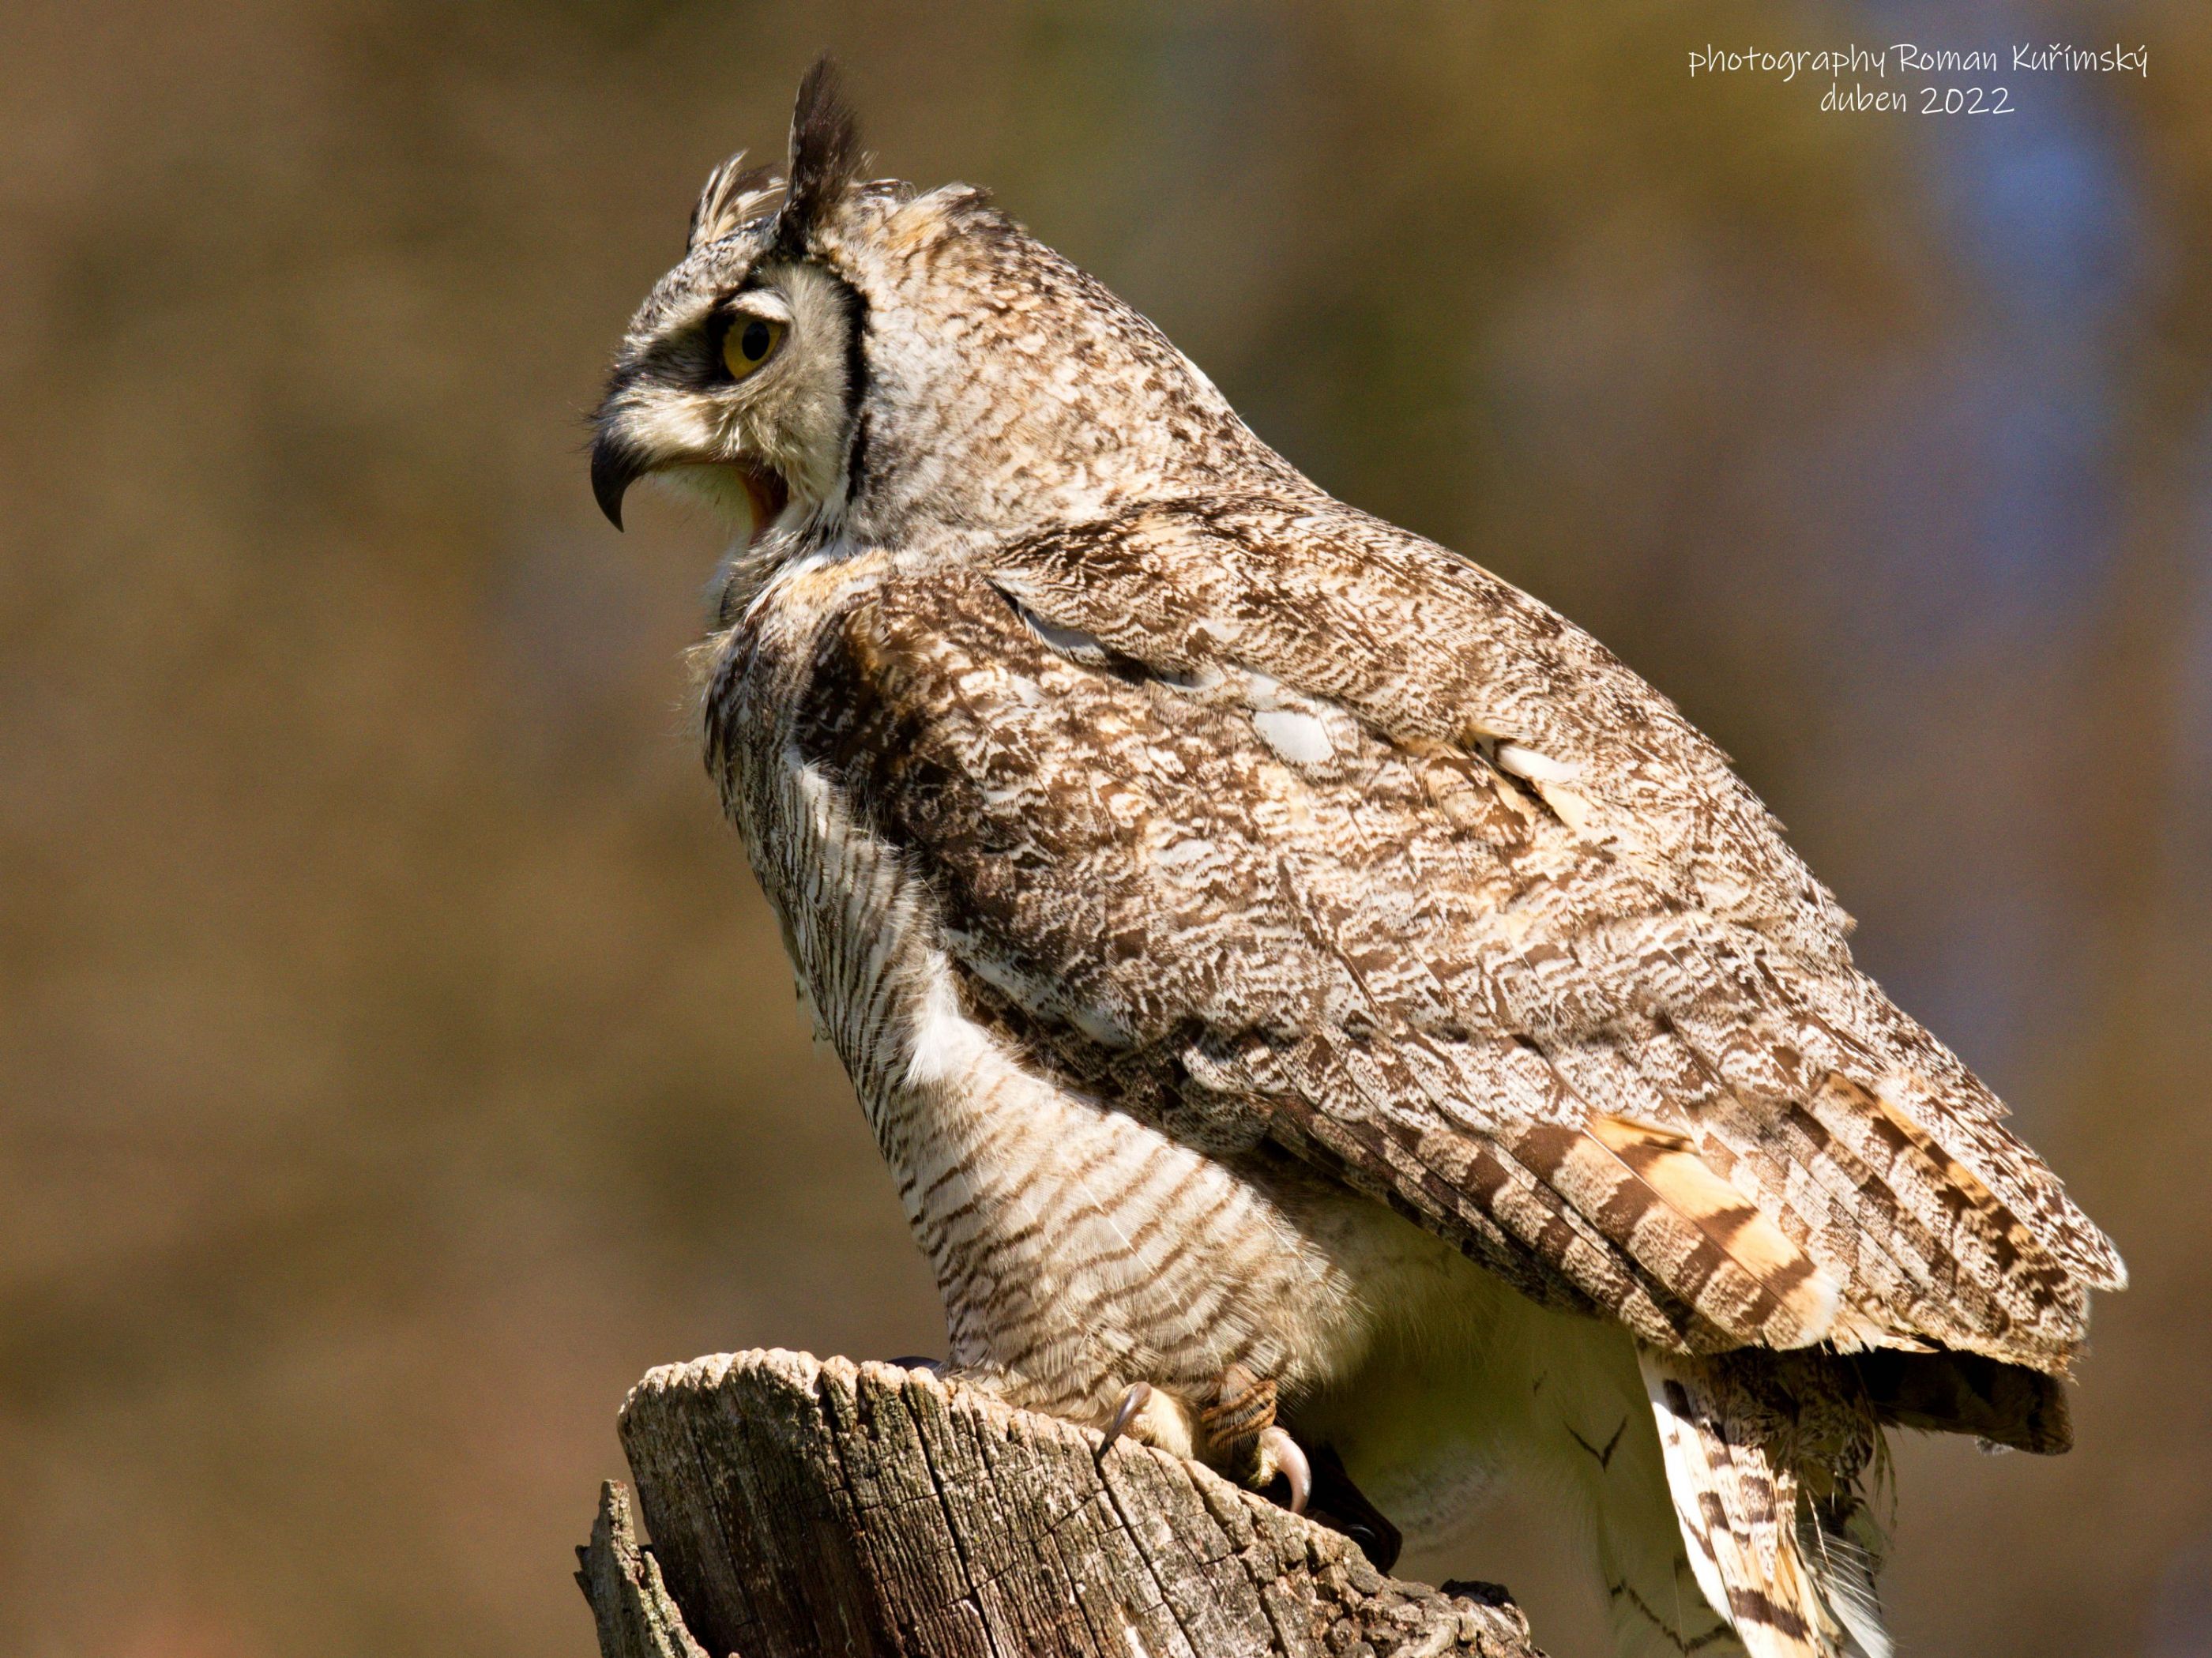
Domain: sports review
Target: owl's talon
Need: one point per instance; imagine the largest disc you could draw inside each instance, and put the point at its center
(1290, 1462)
(1246, 1445)
(1138, 1396)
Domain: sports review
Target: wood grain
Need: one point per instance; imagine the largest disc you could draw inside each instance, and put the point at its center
(803, 1507)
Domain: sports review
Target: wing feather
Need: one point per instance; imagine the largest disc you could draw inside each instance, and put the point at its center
(1327, 837)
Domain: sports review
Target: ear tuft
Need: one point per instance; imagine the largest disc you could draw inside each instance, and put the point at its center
(735, 195)
(825, 153)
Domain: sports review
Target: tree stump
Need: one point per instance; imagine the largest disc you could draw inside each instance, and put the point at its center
(802, 1508)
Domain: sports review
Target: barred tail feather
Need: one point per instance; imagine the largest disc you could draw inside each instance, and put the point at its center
(1843, 1572)
(1738, 1509)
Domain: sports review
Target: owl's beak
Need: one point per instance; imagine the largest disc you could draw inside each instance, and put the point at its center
(621, 454)
(617, 463)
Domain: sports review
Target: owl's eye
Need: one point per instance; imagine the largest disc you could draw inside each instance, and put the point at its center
(751, 341)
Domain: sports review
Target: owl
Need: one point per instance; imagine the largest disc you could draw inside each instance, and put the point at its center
(1324, 1014)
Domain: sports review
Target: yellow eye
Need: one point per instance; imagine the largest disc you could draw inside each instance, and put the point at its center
(751, 341)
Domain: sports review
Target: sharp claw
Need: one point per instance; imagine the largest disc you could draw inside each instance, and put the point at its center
(1293, 1462)
(1139, 1395)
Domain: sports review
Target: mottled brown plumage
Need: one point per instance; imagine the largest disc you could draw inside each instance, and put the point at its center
(1239, 915)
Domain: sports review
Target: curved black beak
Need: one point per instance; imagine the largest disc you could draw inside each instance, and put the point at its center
(615, 465)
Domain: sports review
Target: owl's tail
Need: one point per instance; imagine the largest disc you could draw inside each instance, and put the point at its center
(1792, 1587)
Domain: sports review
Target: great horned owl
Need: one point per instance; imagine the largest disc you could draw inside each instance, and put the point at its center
(1324, 1014)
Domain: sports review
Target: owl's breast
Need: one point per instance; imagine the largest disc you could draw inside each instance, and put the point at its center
(1078, 1247)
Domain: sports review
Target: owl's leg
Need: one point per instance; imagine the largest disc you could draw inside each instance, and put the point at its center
(1238, 1434)
(1243, 1439)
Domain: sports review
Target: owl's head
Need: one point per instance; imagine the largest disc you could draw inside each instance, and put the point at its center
(839, 356)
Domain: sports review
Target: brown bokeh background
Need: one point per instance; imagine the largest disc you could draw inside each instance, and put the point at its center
(396, 1059)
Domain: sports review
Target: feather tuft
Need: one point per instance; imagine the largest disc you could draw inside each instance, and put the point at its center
(734, 196)
(825, 153)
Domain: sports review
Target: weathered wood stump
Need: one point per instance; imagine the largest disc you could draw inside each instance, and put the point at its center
(800, 1508)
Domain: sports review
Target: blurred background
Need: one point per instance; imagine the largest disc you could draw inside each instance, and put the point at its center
(395, 1057)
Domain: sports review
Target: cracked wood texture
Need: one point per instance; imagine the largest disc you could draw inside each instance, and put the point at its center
(811, 1509)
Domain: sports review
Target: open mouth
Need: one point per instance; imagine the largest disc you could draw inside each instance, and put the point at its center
(618, 464)
(768, 493)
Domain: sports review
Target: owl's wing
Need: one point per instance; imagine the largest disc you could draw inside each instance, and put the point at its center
(1285, 824)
